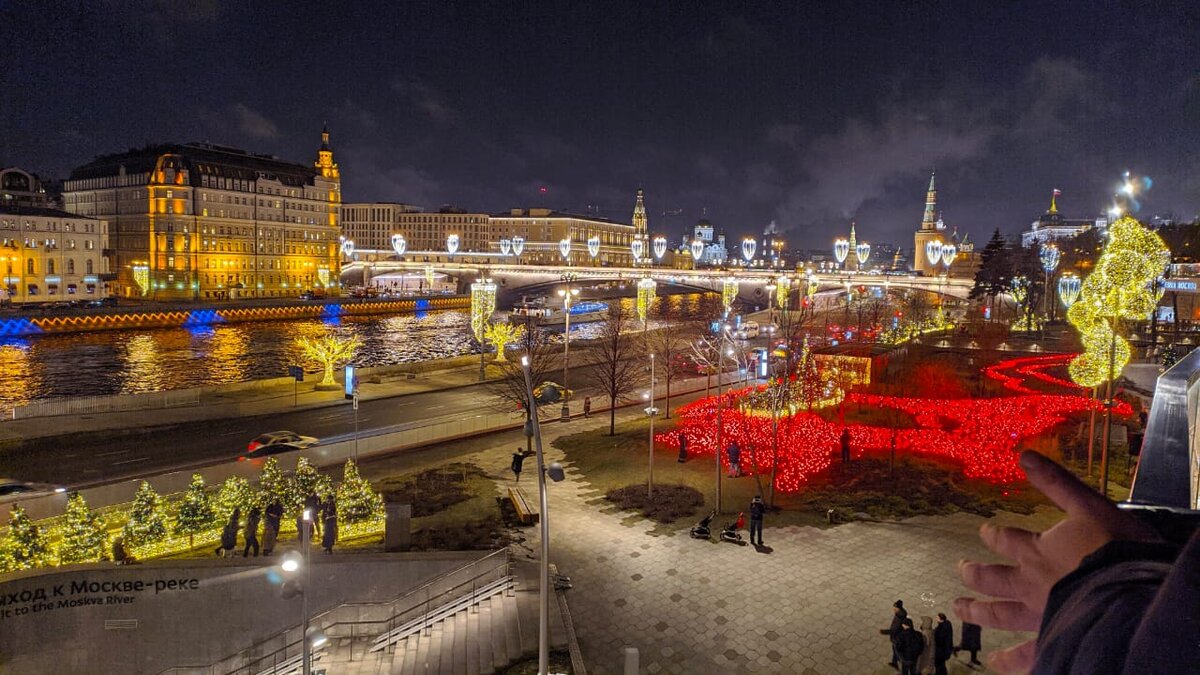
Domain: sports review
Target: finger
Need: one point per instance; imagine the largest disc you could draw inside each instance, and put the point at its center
(1002, 614)
(1062, 487)
(1017, 659)
(998, 581)
(1011, 542)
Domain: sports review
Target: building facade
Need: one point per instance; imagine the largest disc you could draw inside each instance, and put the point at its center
(201, 221)
(21, 188)
(425, 235)
(1051, 225)
(543, 229)
(932, 229)
(51, 256)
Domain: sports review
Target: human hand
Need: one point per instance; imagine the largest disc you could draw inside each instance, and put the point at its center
(1019, 592)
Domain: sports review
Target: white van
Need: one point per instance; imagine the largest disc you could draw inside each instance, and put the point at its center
(747, 331)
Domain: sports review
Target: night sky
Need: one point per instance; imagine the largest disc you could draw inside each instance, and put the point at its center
(803, 113)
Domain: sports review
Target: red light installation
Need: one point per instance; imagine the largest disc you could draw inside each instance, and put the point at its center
(984, 435)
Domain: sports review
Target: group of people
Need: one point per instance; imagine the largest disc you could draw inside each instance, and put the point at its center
(925, 650)
(324, 523)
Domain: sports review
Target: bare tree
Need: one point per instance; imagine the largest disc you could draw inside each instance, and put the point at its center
(670, 341)
(508, 389)
(612, 364)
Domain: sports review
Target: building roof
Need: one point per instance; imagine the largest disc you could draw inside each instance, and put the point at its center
(200, 159)
(552, 213)
(45, 212)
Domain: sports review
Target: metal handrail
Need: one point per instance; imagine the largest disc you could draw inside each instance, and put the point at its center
(276, 657)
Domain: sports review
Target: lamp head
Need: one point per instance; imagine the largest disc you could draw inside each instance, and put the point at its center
(555, 472)
(290, 562)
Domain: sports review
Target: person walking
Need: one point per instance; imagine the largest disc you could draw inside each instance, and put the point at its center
(312, 504)
(330, 533)
(925, 661)
(229, 534)
(251, 532)
(757, 509)
(683, 441)
(518, 462)
(845, 446)
(972, 641)
(943, 644)
(274, 518)
(899, 614)
(909, 645)
(587, 406)
(734, 453)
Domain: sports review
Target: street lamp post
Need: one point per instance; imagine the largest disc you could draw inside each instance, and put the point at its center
(544, 520)
(566, 294)
(650, 412)
(720, 404)
(770, 288)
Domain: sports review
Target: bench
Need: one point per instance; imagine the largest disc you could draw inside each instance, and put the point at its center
(526, 512)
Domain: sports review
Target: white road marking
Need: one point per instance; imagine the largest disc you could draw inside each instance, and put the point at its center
(110, 454)
(131, 461)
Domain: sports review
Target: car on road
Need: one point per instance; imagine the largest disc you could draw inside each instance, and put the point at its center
(747, 331)
(277, 441)
(12, 489)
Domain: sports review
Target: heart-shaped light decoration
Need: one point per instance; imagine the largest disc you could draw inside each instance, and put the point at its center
(594, 245)
(862, 252)
(638, 247)
(660, 247)
(518, 244)
(505, 246)
(841, 249)
(348, 247)
(399, 244)
(949, 253)
(452, 244)
(748, 247)
(933, 251)
(697, 250)
(564, 247)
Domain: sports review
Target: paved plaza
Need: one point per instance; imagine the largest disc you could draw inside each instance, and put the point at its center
(813, 605)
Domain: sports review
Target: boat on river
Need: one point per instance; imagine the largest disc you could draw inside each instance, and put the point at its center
(537, 312)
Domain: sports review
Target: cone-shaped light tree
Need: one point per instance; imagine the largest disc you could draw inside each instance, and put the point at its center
(147, 522)
(84, 538)
(330, 351)
(235, 493)
(195, 511)
(357, 501)
(273, 486)
(308, 481)
(25, 546)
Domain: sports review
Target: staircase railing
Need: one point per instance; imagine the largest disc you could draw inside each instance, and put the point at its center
(359, 619)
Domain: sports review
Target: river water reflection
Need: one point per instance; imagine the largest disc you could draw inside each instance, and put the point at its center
(120, 362)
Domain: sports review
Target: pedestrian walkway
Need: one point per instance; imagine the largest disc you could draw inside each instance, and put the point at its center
(814, 605)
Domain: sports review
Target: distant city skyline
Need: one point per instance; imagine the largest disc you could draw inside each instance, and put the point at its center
(809, 116)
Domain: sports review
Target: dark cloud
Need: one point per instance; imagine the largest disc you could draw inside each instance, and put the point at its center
(253, 123)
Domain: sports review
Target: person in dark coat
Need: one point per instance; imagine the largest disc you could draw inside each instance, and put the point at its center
(329, 516)
(845, 446)
(899, 614)
(273, 520)
(229, 534)
(587, 406)
(757, 509)
(251, 532)
(518, 462)
(682, 447)
(972, 641)
(943, 644)
(734, 453)
(909, 645)
(1109, 593)
(312, 504)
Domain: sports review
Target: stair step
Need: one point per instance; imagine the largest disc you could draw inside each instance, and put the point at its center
(474, 636)
(499, 644)
(485, 654)
(408, 647)
(528, 611)
(512, 629)
(458, 655)
(420, 666)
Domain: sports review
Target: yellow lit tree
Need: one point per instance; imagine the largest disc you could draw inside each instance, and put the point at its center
(501, 334)
(1121, 286)
(330, 351)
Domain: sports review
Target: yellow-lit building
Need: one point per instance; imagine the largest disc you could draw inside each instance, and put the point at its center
(203, 221)
(543, 229)
(51, 256)
(371, 227)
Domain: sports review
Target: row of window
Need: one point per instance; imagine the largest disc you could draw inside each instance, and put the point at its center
(89, 266)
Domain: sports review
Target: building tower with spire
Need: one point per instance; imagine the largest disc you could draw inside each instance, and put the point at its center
(930, 230)
(641, 225)
(851, 258)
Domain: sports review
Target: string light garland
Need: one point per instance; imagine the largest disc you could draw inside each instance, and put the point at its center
(646, 289)
(729, 292)
(483, 304)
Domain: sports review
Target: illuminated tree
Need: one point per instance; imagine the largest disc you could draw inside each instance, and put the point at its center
(84, 538)
(147, 520)
(670, 340)
(330, 351)
(25, 547)
(501, 334)
(235, 493)
(195, 511)
(308, 481)
(1121, 286)
(357, 501)
(273, 486)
